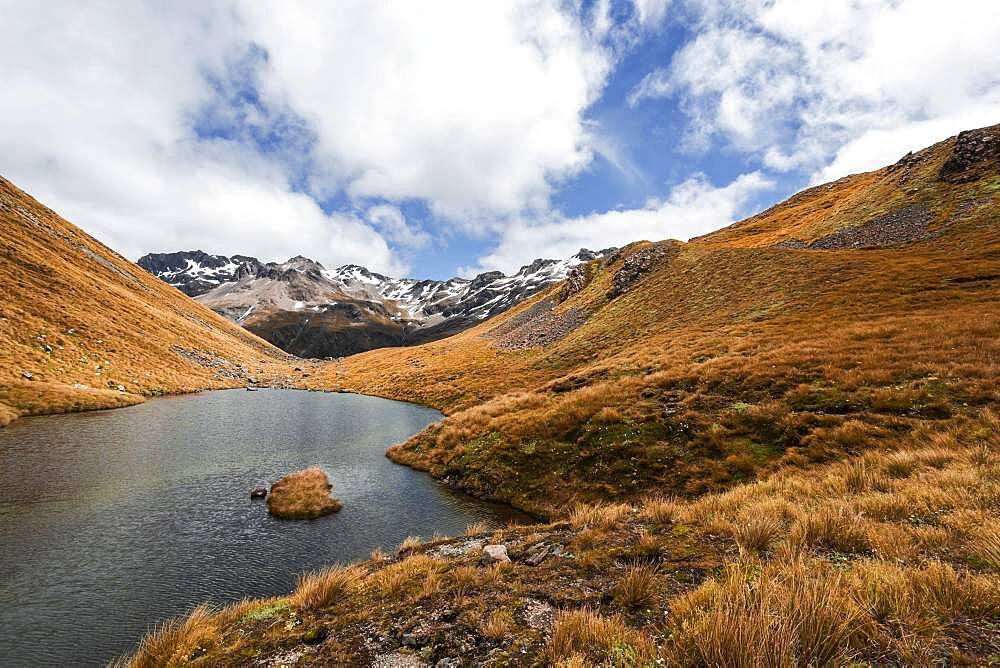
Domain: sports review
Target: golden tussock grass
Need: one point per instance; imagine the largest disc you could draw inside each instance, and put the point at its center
(475, 528)
(498, 624)
(323, 588)
(174, 642)
(660, 509)
(598, 517)
(637, 587)
(729, 360)
(585, 635)
(798, 613)
(302, 495)
(8, 414)
(409, 543)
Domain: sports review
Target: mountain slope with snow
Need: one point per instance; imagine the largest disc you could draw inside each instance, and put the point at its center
(311, 311)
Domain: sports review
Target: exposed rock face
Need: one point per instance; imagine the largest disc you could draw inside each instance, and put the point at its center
(976, 153)
(310, 311)
(195, 272)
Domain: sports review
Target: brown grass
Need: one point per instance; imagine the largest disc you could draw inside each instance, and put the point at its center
(637, 587)
(302, 495)
(728, 361)
(176, 641)
(585, 635)
(798, 613)
(323, 588)
(755, 534)
(498, 624)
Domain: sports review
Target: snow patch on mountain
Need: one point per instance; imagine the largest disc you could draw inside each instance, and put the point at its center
(352, 297)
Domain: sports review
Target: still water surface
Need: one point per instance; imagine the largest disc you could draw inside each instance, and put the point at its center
(114, 520)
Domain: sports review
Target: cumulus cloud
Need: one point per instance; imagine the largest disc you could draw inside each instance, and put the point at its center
(692, 208)
(475, 108)
(830, 87)
(97, 121)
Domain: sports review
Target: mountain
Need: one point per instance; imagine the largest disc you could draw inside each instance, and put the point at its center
(81, 327)
(311, 311)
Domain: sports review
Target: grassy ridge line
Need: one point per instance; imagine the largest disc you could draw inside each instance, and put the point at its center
(728, 358)
(77, 314)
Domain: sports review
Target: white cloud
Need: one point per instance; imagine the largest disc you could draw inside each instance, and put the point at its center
(692, 208)
(392, 223)
(651, 12)
(802, 83)
(474, 107)
(96, 122)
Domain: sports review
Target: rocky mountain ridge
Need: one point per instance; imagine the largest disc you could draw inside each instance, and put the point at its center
(312, 311)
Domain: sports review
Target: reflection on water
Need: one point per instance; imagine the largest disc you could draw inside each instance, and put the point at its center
(111, 521)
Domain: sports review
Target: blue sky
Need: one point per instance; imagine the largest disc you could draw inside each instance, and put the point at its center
(447, 137)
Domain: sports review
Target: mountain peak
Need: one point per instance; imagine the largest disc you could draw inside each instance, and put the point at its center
(378, 310)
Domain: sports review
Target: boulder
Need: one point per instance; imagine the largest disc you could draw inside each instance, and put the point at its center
(495, 554)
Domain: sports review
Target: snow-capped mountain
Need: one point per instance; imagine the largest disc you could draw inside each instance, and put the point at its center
(312, 311)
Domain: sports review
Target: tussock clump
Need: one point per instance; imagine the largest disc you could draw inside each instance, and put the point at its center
(637, 587)
(302, 495)
(599, 517)
(409, 544)
(175, 641)
(797, 613)
(756, 534)
(498, 624)
(585, 637)
(833, 529)
(661, 509)
(323, 588)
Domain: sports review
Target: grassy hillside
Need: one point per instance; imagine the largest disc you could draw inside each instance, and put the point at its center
(774, 343)
(82, 327)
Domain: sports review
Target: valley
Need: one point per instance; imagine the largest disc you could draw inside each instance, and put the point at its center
(772, 444)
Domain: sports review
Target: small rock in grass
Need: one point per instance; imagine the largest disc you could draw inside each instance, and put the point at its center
(302, 495)
(495, 554)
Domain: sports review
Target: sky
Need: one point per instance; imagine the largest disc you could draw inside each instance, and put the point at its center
(449, 137)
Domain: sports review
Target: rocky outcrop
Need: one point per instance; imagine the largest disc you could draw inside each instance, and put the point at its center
(579, 276)
(637, 265)
(975, 154)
